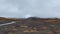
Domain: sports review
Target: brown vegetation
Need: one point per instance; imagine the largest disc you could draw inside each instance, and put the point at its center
(33, 25)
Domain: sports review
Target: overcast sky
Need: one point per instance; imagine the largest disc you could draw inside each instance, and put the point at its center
(27, 8)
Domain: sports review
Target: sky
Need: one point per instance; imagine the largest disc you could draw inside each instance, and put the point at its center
(30, 8)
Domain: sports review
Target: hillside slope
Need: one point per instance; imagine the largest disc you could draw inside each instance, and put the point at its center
(32, 25)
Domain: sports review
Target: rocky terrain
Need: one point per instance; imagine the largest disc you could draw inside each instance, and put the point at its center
(31, 25)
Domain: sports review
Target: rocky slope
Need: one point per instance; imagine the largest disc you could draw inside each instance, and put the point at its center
(32, 25)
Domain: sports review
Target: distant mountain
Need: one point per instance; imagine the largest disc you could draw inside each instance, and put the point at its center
(3, 19)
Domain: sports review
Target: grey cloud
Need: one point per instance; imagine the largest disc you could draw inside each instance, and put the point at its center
(22, 8)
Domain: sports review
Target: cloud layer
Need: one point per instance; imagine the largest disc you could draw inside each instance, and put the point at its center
(22, 8)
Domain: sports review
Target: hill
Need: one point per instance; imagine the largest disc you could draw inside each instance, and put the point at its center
(31, 25)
